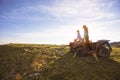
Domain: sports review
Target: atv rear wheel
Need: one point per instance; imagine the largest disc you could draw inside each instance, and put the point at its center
(103, 52)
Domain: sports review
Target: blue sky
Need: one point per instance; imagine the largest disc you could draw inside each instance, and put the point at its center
(56, 21)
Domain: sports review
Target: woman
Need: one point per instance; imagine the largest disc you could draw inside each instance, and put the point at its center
(86, 37)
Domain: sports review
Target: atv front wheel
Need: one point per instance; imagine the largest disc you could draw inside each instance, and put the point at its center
(81, 51)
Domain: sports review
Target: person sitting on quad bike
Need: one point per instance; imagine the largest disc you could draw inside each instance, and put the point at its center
(79, 38)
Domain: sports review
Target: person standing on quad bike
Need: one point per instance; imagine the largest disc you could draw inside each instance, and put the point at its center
(86, 37)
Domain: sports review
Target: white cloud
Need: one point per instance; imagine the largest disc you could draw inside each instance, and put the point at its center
(73, 9)
(90, 9)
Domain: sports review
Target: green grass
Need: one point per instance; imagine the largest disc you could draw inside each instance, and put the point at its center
(115, 55)
(54, 62)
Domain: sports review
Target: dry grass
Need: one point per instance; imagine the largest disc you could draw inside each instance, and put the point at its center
(54, 62)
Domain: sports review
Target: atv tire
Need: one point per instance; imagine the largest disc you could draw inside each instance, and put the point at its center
(103, 52)
(81, 51)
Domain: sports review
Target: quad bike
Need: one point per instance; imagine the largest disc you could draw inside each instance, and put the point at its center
(101, 48)
(83, 46)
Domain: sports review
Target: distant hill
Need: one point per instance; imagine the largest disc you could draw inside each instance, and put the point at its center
(115, 44)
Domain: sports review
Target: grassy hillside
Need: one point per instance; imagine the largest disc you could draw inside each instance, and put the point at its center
(54, 62)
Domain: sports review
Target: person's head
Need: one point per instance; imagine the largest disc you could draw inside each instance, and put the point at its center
(77, 30)
(84, 26)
